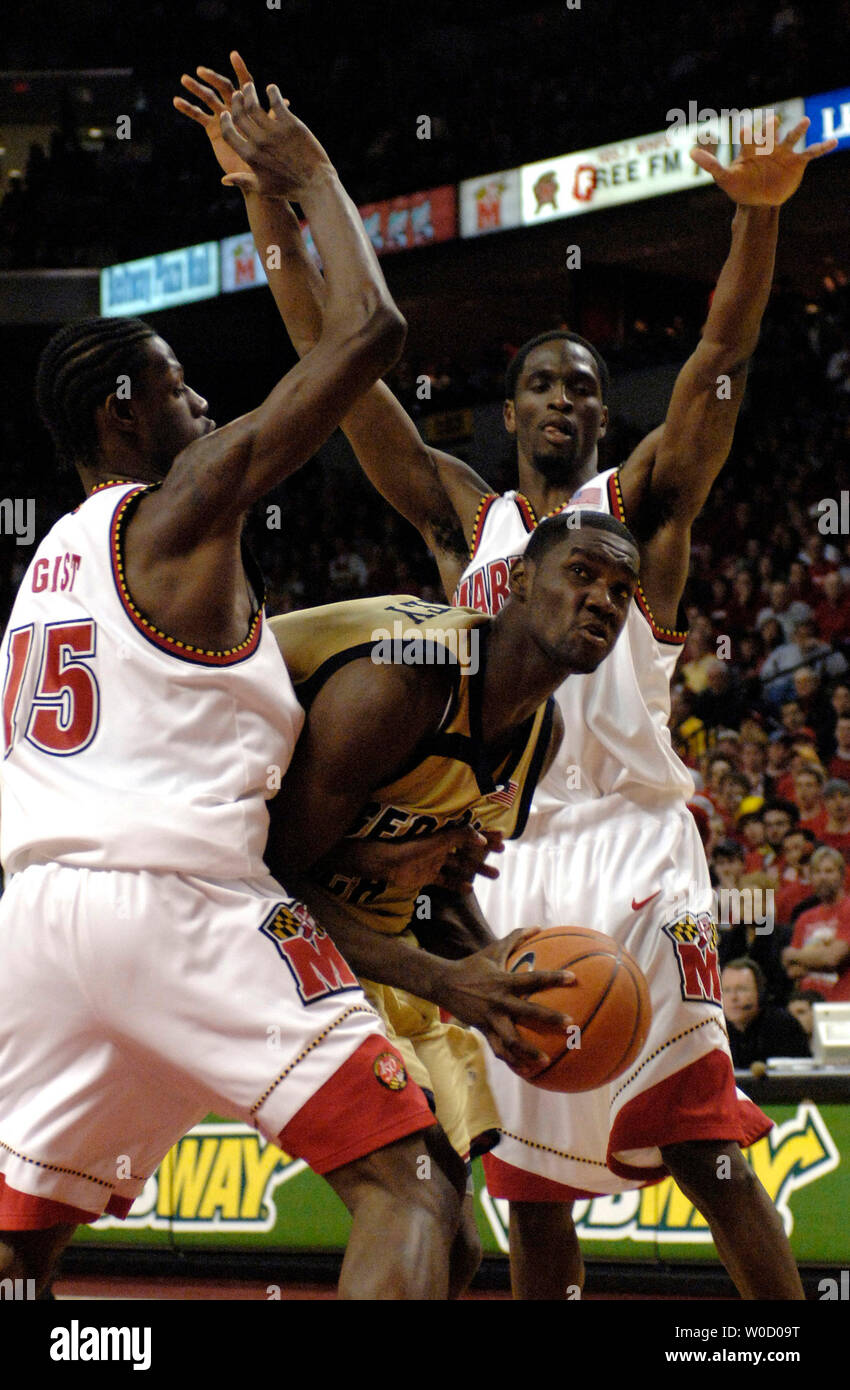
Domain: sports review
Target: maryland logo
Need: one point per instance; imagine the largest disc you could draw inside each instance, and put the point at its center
(792, 1155)
(694, 939)
(315, 964)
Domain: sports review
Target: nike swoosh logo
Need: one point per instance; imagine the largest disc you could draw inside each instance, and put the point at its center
(636, 907)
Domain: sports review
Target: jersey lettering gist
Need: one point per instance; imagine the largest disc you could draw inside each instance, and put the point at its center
(163, 750)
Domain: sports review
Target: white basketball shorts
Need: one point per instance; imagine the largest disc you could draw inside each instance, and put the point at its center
(131, 1004)
(639, 874)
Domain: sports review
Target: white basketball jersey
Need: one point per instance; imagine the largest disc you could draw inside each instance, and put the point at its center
(122, 747)
(616, 736)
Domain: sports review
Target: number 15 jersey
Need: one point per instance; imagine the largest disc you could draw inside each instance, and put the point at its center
(124, 748)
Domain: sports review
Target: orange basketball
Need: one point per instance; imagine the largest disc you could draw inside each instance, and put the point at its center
(608, 1005)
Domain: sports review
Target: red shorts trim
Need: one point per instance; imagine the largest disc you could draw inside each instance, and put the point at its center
(517, 1185)
(354, 1112)
(698, 1102)
(21, 1211)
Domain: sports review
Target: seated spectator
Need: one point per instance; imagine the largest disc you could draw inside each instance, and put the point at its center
(778, 759)
(832, 612)
(795, 879)
(804, 755)
(813, 701)
(800, 586)
(699, 652)
(716, 768)
(721, 701)
(727, 864)
(806, 649)
(839, 764)
(733, 788)
(754, 763)
(819, 954)
(778, 817)
(757, 1030)
(808, 798)
(748, 927)
(836, 831)
(787, 611)
(820, 559)
(750, 829)
(799, 1006)
(743, 606)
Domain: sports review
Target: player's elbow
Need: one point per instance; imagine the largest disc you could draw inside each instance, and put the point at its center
(384, 335)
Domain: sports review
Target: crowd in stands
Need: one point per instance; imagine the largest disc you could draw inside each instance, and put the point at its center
(503, 84)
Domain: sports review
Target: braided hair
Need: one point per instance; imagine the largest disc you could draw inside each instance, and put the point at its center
(76, 373)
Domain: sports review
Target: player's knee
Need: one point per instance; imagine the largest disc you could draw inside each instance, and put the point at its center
(711, 1175)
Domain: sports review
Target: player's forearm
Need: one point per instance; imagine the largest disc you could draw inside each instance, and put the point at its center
(743, 288)
(388, 960)
(296, 284)
(456, 927)
(356, 293)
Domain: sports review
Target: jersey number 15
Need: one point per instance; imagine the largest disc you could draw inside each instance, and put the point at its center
(62, 714)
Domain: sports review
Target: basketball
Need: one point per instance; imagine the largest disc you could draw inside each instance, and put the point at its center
(608, 1006)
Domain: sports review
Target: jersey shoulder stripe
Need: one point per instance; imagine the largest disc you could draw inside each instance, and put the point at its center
(185, 651)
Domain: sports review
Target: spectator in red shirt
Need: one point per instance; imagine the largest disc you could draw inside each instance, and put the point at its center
(832, 613)
(795, 880)
(808, 798)
(836, 832)
(778, 818)
(839, 763)
(819, 954)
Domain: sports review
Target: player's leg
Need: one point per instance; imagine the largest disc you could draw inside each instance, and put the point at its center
(745, 1225)
(466, 1250)
(546, 1257)
(33, 1254)
(405, 1200)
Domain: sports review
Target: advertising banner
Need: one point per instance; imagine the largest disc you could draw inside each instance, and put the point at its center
(491, 203)
(829, 114)
(225, 1186)
(416, 219)
(160, 282)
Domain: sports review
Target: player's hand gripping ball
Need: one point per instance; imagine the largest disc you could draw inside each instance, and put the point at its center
(608, 1006)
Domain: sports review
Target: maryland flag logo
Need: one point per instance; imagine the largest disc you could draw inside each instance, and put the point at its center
(312, 959)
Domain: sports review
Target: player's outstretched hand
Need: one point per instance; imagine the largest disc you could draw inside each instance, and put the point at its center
(450, 858)
(267, 152)
(764, 174)
(481, 993)
(216, 92)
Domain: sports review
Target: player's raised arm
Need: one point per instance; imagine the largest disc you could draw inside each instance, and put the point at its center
(667, 479)
(216, 479)
(437, 493)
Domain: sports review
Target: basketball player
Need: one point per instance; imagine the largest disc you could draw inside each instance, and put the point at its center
(618, 850)
(428, 729)
(145, 951)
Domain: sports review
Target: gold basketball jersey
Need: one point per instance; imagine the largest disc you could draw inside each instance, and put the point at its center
(449, 780)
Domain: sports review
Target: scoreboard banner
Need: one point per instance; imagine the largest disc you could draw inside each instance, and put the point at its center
(225, 1186)
(160, 282)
